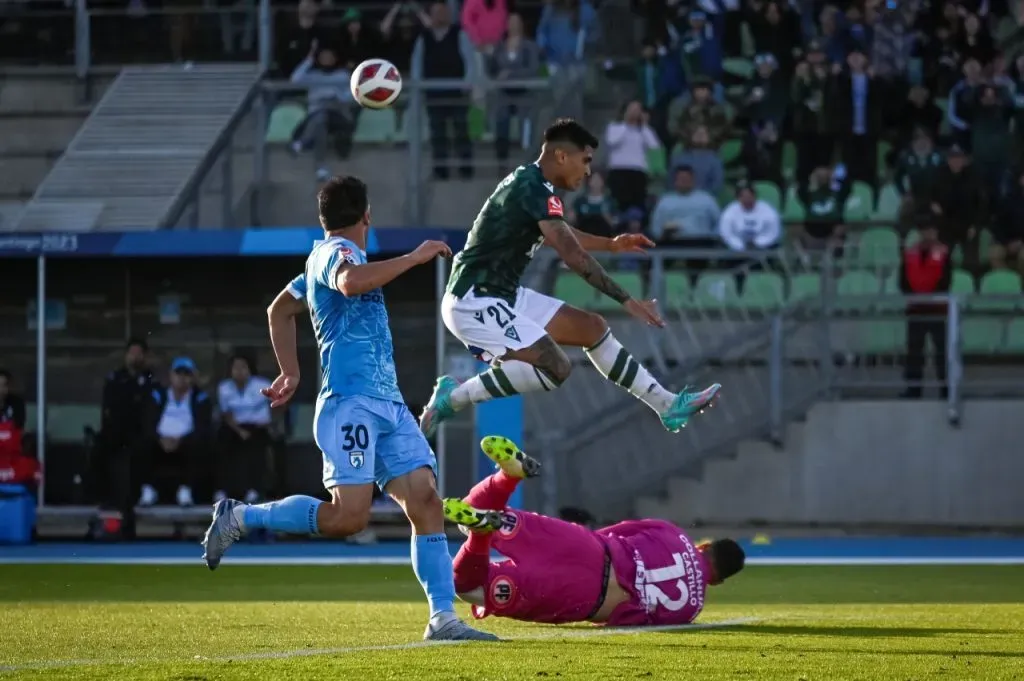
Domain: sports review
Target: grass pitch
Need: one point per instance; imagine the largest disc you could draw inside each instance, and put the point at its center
(364, 623)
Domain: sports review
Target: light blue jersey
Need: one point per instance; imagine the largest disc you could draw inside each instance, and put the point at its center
(362, 426)
(356, 352)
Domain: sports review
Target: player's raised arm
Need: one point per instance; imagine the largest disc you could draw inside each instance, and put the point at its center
(281, 318)
(354, 279)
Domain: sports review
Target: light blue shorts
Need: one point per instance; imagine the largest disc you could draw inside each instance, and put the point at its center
(366, 439)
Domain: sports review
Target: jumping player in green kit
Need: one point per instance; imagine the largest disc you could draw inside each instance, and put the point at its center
(520, 331)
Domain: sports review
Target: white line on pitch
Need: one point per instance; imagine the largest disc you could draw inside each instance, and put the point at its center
(554, 634)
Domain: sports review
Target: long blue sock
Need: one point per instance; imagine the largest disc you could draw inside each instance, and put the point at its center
(295, 515)
(433, 567)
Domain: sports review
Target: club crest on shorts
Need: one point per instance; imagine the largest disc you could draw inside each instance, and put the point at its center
(509, 525)
(511, 332)
(356, 460)
(502, 591)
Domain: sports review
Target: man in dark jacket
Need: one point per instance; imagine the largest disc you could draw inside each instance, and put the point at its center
(855, 111)
(916, 169)
(926, 268)
(956, 202)
(179, 425)
(1008, 229)
(813, 139)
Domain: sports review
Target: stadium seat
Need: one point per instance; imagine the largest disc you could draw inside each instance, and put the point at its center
(477, 124)
(631, 281)
(877, 247)
(571, 288)
(657, 162)
(963, 283)
(793, 209)
(913, 236)
(762, 291)
(805, 286)
(283, 120)
(769, 193)
(730, 151)
(739, 67)
(883, 168)
(1004, 283)
(789, 161)
(981, 335)
(716, 289)
(888, 335)
(860, 203)
(888, 208)
(1015, 337)
(678, 291)
(375, 127)
(854, 287)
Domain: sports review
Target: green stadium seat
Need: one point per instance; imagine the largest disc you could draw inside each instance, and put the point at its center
(985, 242)
(913, 236)
(888, 208)
(962, 283)
(889, 334)
(678, 292)
(1015, 337)
(283, 120)
(883, 169)
(631, 281)
(1004, 283)
(804, 286)
(981, 335)
(571, 288)
(854, 287)
(716, 289)
(657, 162)
(763, 291)
(860, 203)
(477, 124)
(730, 150)
(793, 209)
(375, 127)
(789, 161)
(877, 248)
(739, 67)
(769, 193)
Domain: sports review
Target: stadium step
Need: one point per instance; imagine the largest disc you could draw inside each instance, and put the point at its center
(38, 135)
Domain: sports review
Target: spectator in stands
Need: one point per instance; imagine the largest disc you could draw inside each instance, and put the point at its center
(962, 99)
(749, 223)
(686, 114)
(701, 46)
(515, 58)
(15, 467)
(244, 433)
(916, 170)
(776, 31)
(686, 213)
(484, 21)
(832, 42)
(956, 204)
(939, 59)
(811, 126)
(444, 51)
(330, 108)
(628, 141)
(891, 54)
(1008, 228)
(400, 30)
(297, 35)
(925, 268)
(919, 112)
(174, 454)
(566, 28)
(237, 26)
(974, 41)
(127, 393)
(991, 139)
(856, 32)
(660, 78)
(856, 115)
(767, 95)
(594, 211)
(357, 42)
(708, 171)
(824, 199)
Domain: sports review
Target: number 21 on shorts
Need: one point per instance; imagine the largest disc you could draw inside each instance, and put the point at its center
(355, 440)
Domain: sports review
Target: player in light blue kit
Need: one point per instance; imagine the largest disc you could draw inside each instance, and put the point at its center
(362, 426)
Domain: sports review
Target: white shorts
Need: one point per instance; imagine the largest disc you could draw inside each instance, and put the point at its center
(490, 327)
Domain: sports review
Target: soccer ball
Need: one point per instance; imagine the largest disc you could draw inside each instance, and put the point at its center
(376, 83)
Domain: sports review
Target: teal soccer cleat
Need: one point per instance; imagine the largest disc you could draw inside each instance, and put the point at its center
(686, 405)
(439, 408)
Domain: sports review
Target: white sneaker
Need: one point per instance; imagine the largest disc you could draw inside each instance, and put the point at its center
(219, 495)
(252, 496)
(184, 496)
(148, 496)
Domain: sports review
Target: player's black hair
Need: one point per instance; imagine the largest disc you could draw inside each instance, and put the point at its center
(136, 343)
(727, 557)
(343, 202)
(569, 131)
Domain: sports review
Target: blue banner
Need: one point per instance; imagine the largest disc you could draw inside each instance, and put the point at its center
(254, 242)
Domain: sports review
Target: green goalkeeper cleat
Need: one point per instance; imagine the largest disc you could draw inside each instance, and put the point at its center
(509, 458)
(473, 519)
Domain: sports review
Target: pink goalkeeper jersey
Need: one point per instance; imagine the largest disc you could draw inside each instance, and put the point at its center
(661, 567)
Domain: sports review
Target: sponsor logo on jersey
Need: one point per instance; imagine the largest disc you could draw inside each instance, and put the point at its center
(555, 206)
(509, 525)
(356, 460)
(503, 591)
(511, 333)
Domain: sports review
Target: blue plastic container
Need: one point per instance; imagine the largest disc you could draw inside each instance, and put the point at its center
(17, 514)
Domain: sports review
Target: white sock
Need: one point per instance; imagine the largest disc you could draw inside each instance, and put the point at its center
(508, 378)
(618, 366)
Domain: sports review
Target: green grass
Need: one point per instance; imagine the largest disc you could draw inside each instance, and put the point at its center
(185, 624)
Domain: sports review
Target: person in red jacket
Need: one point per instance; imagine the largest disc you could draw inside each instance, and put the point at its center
(925, 268)
(15, 467)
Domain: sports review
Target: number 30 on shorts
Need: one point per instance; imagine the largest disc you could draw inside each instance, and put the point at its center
(355, 436)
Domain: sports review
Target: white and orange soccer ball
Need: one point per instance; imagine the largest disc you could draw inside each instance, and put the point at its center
(376, 83)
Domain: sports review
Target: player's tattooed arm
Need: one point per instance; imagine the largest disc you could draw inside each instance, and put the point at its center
(559, 235)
